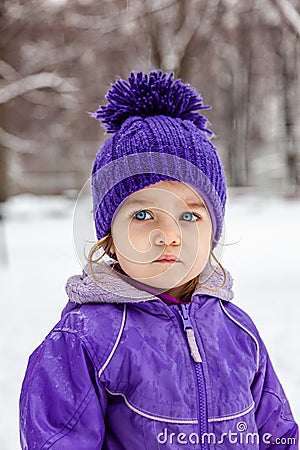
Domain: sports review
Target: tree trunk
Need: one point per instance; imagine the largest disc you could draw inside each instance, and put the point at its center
(288, 76)
(3, 198)
(3, 174)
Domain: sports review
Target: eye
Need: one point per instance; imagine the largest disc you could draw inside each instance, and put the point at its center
(189, 217)
(142, 215)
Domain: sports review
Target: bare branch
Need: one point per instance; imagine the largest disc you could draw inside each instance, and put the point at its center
(111, 23)
(37, 81)
(17, 144)
(8, 72)
(195, 20)
(103, 25)
(54, 58)
(183, 37)
(290, 14)
(52, 100)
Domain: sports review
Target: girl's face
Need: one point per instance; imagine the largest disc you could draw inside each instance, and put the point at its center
(162, 235)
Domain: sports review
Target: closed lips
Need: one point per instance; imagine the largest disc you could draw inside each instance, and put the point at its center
(167, 258)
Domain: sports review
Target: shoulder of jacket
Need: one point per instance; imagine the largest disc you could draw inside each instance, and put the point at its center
(97, 325)
(246, 324)
(237, 314)
(85, 318)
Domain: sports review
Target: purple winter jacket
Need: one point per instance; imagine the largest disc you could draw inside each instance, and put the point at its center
(124, 371)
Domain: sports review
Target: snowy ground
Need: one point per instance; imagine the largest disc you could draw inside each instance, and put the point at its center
(37, 256)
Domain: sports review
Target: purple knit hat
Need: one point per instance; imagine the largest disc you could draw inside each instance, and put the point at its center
(157, 135)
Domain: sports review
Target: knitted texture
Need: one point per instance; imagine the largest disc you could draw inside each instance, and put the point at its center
(157, 136)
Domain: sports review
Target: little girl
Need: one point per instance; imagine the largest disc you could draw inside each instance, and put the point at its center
(150, 353)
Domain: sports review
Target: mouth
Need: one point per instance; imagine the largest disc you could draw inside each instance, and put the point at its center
(170, 259)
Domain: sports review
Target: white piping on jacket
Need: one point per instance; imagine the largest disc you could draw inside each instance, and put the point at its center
(181, 421)
(115, 344)
(149, 416)
(234, 416)
(169, 420)
(246, 330)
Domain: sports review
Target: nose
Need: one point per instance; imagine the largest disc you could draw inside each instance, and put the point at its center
(168, 233)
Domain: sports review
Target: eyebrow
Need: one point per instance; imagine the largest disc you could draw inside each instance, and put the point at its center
(193, 204)
(190, 203)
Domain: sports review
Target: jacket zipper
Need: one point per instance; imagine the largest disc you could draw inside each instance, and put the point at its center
(196, 356)
(190, 334)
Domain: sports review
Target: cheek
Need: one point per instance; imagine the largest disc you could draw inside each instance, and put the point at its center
(133, 243)
(133, 269)
(200, 257)
(131, 240)
(197, 236)
(139, 236)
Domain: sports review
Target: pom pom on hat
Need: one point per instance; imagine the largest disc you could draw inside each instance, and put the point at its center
(151, 95)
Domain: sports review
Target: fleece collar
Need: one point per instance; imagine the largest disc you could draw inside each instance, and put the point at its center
(111, 288)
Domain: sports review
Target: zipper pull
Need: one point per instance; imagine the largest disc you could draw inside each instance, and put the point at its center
(190, 334)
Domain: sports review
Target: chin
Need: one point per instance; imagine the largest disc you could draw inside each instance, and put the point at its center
(163, 283)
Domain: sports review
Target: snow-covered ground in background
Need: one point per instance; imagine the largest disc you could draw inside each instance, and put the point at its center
(37, 241)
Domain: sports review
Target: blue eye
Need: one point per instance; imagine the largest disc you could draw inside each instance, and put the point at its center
(189, 217)
(142, 215)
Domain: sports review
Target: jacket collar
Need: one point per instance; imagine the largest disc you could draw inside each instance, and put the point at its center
(111, 288)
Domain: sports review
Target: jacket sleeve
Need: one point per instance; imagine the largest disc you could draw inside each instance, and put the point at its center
(275, 422)
(62, 406)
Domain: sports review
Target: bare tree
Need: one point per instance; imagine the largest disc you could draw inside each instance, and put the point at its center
(288, 51)
(288, 72)
(57, 60)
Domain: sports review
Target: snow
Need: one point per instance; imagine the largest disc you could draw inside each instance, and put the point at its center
(37, 241)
